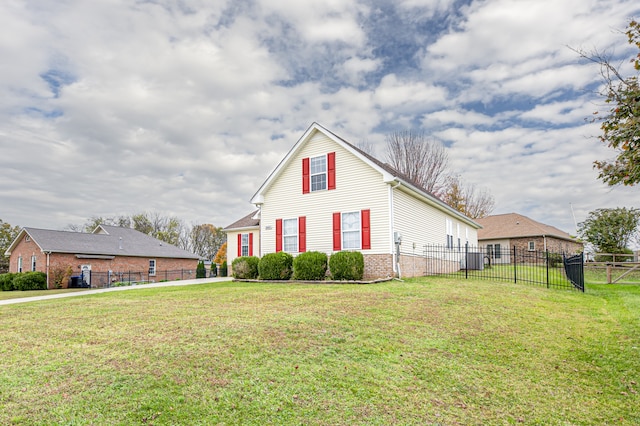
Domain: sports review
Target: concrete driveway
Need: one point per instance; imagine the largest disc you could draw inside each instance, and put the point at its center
(107, 290)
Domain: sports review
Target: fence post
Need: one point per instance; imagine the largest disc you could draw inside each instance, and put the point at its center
(547, 268)
(515, 269)
(466, 261)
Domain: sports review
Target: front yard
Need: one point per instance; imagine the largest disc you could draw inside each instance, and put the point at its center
(424, 351)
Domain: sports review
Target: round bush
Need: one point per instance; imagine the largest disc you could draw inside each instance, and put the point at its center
(245, 267)
(30, 281)
(347, 265)
(311, 265)
(276, 266)
(6, 281)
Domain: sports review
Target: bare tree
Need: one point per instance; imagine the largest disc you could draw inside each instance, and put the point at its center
(366, 147)
(424, 161)
(467, 199)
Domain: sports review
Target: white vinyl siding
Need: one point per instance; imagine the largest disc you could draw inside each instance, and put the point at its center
(358, 187)
(421, 224)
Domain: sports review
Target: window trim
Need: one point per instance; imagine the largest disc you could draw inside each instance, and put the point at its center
(33, 263)
(531, 246)
(324, 173)
(152, 269)
(285, 235)
(19, 264)
(358, 230)
(244, 244)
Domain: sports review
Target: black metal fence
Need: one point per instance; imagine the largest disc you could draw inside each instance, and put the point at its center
(124, 278)
(493, 262)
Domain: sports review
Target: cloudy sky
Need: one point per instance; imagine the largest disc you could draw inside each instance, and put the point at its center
(183, 107)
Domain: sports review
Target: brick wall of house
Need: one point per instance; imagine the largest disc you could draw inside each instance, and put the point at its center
(60, 261)
(538, 255)
(378, 266)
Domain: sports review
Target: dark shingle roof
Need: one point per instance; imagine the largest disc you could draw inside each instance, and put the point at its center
(249, 221)
(106, 240)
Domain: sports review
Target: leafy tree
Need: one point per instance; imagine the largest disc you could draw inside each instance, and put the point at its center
(221, 255)
(201, 271)
(205, 240)
(621, 125)
(467, 199)
(610, 230)
(8, 233)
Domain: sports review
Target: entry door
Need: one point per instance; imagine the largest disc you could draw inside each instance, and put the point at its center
(86, 274)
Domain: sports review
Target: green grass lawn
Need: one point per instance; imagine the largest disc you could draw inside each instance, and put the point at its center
(424, 351)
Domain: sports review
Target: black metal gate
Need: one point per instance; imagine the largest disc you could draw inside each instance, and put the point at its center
(574, 268)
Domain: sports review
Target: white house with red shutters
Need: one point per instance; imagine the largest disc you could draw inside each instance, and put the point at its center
(327, 195)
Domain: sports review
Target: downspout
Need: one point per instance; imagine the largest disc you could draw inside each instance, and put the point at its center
(544, 239)
(395, 258)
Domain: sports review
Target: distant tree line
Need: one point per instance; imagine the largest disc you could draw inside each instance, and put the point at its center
(204, 239)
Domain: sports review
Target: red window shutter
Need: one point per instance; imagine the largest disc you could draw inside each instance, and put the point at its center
(302, 234)
(305, 175)
(331, 170)
(366, 229)
(239, 245)
(251, 244)
(337, 237)
(278, 235)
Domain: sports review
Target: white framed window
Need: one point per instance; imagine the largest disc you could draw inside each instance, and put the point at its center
(318, 173)
(244, 245)
(351, 229)
(152, 267)
(532, 245)
(290, 235)
(20, 264)
(33, 262)
(449, 226)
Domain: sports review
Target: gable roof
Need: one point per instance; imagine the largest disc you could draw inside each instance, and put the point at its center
(105, 240)
(252, 220)
(513, 225)
(389, 174)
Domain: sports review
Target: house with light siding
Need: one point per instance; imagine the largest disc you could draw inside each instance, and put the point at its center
(327, 195)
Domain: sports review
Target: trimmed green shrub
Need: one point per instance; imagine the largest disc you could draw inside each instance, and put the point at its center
(30, 281)
(347, 265)
(201, 272)
(555, 260)
(214, 270)
(245, 267)
(6, 281)
(276, 266)
(311, 265)
(223, 269)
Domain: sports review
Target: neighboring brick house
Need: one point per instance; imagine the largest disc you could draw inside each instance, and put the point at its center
(504, 231)
(108, 249)
(327, 195)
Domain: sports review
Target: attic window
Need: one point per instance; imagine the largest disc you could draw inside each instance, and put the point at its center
(318, 173)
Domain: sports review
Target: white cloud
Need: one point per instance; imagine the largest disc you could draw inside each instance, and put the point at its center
(186, 107)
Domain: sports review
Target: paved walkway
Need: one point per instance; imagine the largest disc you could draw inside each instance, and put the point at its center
(106, 290)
